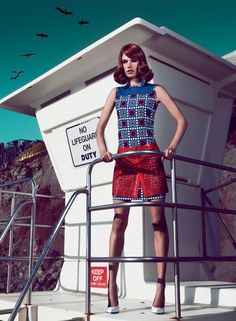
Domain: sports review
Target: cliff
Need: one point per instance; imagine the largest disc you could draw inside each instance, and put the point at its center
(226, 271)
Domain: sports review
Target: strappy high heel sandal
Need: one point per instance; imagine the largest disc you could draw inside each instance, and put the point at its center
(110, 309)
(160, 309)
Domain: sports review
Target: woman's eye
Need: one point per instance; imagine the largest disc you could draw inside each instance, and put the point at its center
(126, 61)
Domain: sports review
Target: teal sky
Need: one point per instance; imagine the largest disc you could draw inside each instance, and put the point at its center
(210, 24)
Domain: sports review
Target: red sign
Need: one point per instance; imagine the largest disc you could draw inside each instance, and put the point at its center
(98, 276)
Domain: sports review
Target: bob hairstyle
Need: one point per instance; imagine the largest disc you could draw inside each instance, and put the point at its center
(133, 51)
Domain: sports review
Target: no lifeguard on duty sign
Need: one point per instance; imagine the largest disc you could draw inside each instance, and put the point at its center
(82, 142)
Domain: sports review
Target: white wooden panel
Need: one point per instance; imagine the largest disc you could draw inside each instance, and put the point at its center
(75, 109)
(184, 87)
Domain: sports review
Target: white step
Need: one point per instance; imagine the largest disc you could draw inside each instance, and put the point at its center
(200, 301)
(214, 293)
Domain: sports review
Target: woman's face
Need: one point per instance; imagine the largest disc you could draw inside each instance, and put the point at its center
(130, 66)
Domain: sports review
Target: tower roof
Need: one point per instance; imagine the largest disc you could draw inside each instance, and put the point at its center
(100, 57)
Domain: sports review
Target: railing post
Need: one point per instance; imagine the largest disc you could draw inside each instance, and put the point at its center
(203, 220)
(175, 240)
(11, 231)
(31, 243)
(88, 244)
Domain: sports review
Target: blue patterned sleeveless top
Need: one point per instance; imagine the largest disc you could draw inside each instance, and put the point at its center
(136, 107)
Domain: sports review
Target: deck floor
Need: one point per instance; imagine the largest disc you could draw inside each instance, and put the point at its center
(62, 306)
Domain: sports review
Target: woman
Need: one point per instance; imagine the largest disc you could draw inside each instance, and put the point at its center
(139, 177)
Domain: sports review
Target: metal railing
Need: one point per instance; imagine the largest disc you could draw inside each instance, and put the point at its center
(15, 211)
(10, 259)
(45, 251)
(174, 205)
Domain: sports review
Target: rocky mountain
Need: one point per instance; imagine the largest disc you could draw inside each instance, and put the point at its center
(226, 271)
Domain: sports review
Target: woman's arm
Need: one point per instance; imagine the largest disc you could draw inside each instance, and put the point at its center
(164, 97)
(105, 116)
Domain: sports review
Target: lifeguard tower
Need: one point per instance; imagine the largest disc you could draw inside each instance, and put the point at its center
(67, 102)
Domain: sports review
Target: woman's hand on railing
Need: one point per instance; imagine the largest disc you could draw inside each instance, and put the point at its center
(169, 153)
(107, 157)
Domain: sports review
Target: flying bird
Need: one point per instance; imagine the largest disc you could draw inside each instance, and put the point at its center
(15, 77)
(27, 55)
(42, 35)
(64, 12)
(83, 22)
(18, 72)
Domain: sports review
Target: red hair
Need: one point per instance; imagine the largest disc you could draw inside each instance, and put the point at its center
(133, 51)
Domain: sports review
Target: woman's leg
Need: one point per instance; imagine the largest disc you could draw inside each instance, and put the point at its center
(161, 245)
(116, 245)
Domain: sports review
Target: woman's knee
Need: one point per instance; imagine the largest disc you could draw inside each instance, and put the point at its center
(160, 226)
(158, 219)
(120, 223)
(159, 223)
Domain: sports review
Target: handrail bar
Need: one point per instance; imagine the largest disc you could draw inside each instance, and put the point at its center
(6, 220)
(205, 163)
(26, 193)
(177, 157)
(13, 217)
(37, 195)
(214, 188)
(27, 224)
(25, 258)
(133, 259)
(166, 204)
(19, 181)
(45, 251)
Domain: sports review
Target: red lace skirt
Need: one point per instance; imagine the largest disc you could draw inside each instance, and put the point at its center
(135, 172)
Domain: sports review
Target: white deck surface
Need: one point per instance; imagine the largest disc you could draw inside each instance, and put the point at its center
(63, 306)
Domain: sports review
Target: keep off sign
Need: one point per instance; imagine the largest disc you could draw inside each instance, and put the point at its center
(82, 142)
(98, 276)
